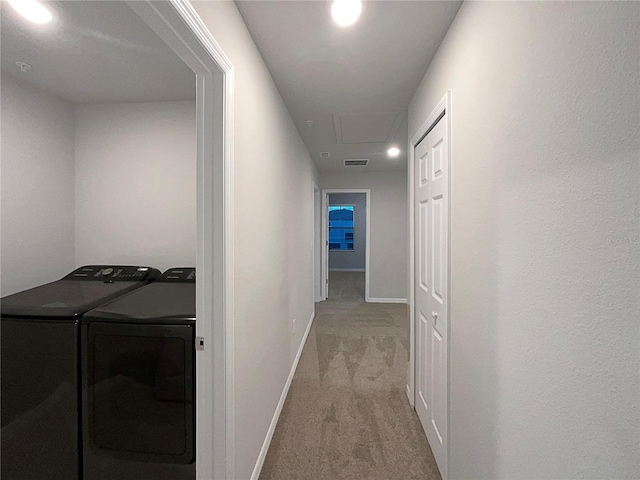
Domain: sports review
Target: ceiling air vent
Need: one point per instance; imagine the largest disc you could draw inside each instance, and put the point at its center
(325, 155)
(356, 162)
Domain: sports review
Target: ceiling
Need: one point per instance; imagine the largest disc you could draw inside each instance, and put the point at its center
(94, 52)
(353, 83)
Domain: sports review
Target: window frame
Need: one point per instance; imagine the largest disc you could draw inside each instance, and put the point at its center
(331, 208)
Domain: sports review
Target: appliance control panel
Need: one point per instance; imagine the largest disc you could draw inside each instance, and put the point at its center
(179, 275)
(113, 273)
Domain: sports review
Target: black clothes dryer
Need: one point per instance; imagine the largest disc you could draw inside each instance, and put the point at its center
(40, 368)
(138, 364)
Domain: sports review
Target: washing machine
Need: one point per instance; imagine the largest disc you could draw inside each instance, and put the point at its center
(138, 376)
(40, 378)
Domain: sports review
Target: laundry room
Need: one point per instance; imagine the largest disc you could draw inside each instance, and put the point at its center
(98, 145)
(98, 198)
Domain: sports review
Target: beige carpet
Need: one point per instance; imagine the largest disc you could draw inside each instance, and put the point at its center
(347, 415)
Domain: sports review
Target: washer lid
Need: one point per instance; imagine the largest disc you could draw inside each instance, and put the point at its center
(63, 299)
(77, 293)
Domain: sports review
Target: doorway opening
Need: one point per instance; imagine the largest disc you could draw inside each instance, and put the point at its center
(317, 242)
(345, 240)
(177, 23)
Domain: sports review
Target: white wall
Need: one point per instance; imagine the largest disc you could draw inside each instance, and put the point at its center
(93, 184)
(544, 237)
(135, 180)
(273, 246)
(356, 259)
(388, 216)
(37, 187)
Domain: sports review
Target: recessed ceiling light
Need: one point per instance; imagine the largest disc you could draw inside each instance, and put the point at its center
(32, 10)
(393, 152)
(346, 12)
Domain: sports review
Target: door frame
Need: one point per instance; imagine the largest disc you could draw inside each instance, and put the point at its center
(325, 238)
(443, 106)
(317, 245)
(177, 23)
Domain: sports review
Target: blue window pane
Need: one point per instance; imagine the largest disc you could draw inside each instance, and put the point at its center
(341, 227)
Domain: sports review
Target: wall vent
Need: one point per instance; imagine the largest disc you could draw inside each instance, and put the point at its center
(356, 162)
(325, 155)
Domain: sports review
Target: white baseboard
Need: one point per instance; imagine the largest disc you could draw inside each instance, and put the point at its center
(386, 300)
(283, 397)
(409, 396)
(347, 270)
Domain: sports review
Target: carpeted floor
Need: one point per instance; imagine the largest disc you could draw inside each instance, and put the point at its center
(347, 415)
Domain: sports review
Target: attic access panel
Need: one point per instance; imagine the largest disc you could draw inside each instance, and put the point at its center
(379, 127)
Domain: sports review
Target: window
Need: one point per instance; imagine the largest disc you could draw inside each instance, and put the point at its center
(341, 227)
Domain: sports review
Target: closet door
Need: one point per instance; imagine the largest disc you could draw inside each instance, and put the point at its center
(431, 287)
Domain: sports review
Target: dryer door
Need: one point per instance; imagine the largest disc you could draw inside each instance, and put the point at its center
(139, 392)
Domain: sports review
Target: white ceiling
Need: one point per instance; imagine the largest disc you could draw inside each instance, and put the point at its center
(94, 52)
(353, 83)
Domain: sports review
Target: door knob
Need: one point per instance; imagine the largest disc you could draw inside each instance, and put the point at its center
(434, 315)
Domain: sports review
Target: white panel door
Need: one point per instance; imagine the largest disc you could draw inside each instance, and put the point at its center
(431, 287)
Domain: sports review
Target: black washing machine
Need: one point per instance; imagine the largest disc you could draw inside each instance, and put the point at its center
(41, 368)
(138, 375)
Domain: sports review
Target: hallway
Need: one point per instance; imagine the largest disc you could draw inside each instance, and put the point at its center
(347, 415)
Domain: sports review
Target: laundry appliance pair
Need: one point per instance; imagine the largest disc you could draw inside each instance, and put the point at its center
(98, 376)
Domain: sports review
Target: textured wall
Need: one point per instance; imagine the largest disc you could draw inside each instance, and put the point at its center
(356, 259)
(136, 184)
(544, 237)
(37, 187)
(273, 218)
(389, 227)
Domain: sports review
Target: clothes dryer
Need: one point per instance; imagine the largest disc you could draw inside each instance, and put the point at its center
(138, 365)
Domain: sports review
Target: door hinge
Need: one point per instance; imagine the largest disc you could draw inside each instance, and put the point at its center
(200, 343)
